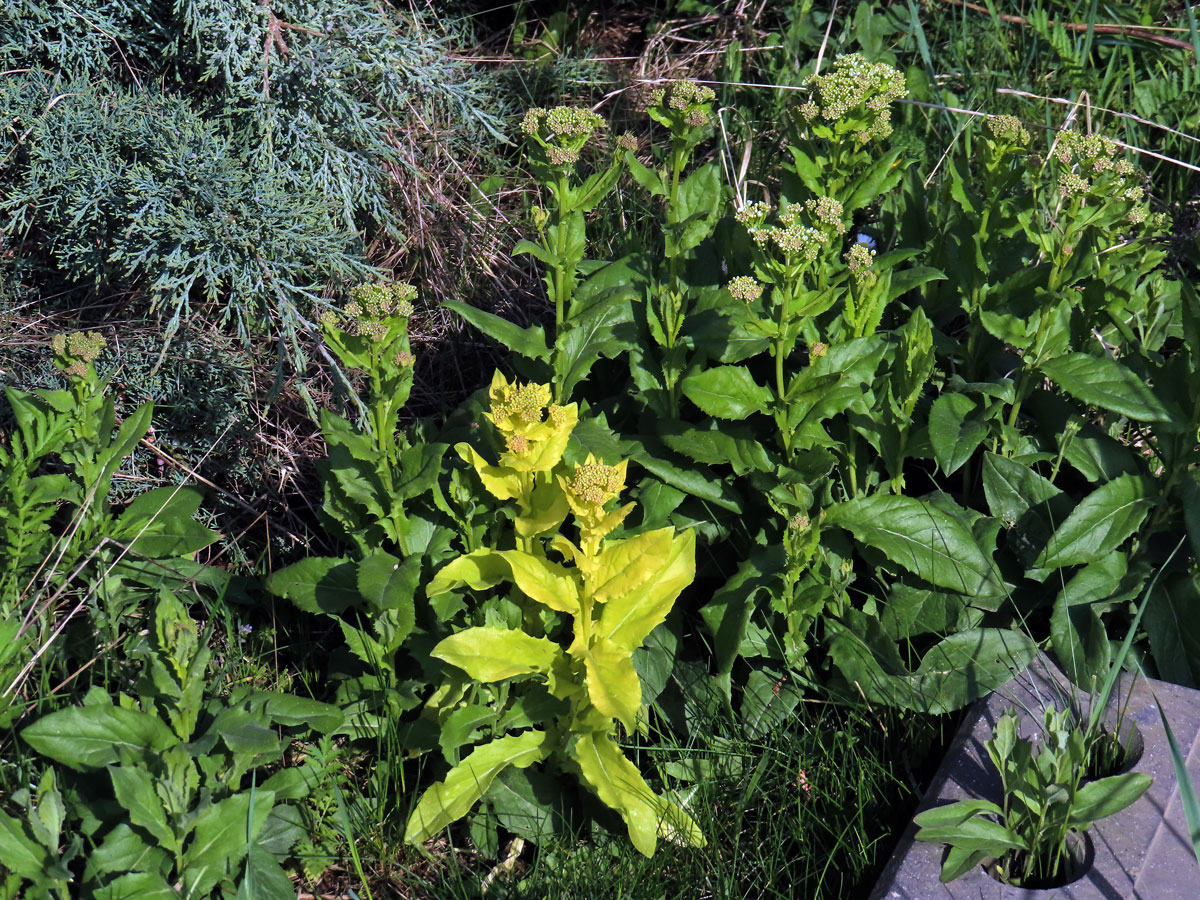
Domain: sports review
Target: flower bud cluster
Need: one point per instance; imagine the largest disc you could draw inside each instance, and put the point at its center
(370, 310)
(594, 483)
(828, 212)
(860, 260)
(77, 351)
(744, 288)
(561, 132)
(1008, 130)
(529, 423)
(1096, 172)
(682, 105)
(856, 93)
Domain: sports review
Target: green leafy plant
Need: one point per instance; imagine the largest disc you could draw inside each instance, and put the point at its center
(184, 769)
(1045, 800)
(65, 450)
(376, 479)
(607, 594)
(556, 139)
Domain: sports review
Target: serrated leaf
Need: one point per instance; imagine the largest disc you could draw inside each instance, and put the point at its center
(954, 432)
(587, 337)
(726, 392)
(222, 835)
(318, 584)
(716, 445)
(1012, 489)
(527, 342)
(134, 790)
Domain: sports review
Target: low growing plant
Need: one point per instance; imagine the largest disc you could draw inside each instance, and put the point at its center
(195, 813)
(1045, 801)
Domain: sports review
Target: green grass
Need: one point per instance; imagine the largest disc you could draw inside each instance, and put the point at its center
(810, 810)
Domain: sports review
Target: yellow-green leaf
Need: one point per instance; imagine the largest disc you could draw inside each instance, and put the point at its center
(494, 654)
(451, 799)
(479, 570)
(542, 580)
(627, 620)
(549, 508)
(612, 681)
(624, 566)
(619, 785)
(501, 483)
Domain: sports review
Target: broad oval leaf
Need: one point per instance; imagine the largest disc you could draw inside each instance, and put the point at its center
(921, 538)
(91, 737)
(1106, 796)
(318, 584)
(494, 654)
(612, 682)
(726, 392)
(1103, 382)
(954, 432)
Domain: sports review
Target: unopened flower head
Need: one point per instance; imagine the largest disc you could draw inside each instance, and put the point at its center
(594, 483)
(682, 104)
(744, 288)
(404, 359)
(860, 260)
(627, 141)
(521, 404)
(856, 88)
(1073, 185)
(828, 212)
(75, 352)
(561, 131)
(817, 349)
(798, 522)
(1008, 130)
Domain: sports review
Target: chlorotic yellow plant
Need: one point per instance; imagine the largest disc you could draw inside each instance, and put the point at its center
(614, 591)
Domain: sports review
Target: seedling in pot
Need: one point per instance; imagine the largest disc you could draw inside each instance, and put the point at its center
(1028, 840)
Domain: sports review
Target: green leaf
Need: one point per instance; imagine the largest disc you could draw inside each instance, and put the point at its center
(952, 814)
(1103, 382)
(612, 682)
(1012, 489)
(727, 615)
(527, 342)
(1106, 796)
(449, 800)
(767, 702)
(953, 673)
(726, 392)
(293, 712)
(953, 432)
(923, 539)
(627, 619)
(92, 737)
(137, 886)
(620, 786)
(221, 837)
(386, 583)
(264, 879)
(647, 178)
(717, 444)
(587, 337)
(21, 854)
(1099, 524)
(1080, 641)
(318, 584)
(1172, 622)
(122, 850)
(975, 833)
(494, 654)
(160, 503)
(134, 790)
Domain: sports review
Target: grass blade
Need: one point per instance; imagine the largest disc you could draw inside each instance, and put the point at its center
(1187, 790)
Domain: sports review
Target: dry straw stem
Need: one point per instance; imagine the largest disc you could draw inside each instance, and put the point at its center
(1146, 32)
